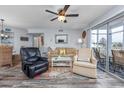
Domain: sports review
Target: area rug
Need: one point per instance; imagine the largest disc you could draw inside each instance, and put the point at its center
(15, 73)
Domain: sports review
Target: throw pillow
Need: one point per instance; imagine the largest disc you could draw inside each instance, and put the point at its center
(62, 52)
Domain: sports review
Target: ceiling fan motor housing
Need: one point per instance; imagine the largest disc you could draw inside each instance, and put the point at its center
(62, 14)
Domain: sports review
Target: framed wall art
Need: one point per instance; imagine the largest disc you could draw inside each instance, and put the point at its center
(61, 39)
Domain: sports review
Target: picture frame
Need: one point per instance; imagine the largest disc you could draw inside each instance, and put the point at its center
(22, 38)
(61, 38)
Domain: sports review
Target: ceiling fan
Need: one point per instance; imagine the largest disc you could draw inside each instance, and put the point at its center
(61, 14)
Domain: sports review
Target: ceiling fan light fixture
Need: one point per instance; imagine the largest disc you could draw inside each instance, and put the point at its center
(61, 18)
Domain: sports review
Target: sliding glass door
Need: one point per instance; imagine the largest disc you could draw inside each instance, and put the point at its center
(99, 43)
(102, 45)
(117, 37)
(117, 51)
(107, 41)
(94, 38)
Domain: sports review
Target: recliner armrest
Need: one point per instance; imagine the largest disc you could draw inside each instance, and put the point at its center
(27, 63)
(44, 59)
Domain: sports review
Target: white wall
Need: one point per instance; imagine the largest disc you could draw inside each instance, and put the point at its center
(17, 43)
(49, 37)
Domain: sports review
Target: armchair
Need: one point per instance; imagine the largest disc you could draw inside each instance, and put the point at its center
(85, 63)
(32, 62)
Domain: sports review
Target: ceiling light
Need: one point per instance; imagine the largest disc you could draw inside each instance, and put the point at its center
(61, 18)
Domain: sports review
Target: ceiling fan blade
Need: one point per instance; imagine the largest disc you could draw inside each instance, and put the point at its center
(66, 8)
(54, 19)
(72, 15)
(51, 12)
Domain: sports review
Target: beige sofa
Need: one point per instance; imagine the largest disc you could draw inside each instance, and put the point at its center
(64, 52)
(85, 63)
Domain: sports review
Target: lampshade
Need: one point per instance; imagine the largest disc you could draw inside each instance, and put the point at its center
(2, 35)
(6, 36)
(61, 18)
(80, 41)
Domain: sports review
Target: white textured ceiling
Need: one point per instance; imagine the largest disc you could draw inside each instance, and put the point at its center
(34, 16)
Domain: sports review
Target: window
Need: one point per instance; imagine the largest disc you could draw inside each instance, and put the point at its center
(106, 38)
(93, 38)
(102, 40)
(117, 37)
(117, 29)
(99, 42)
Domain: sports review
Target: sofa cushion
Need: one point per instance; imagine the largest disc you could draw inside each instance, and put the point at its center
(84, 54)
(85, 64)
(62, 52)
